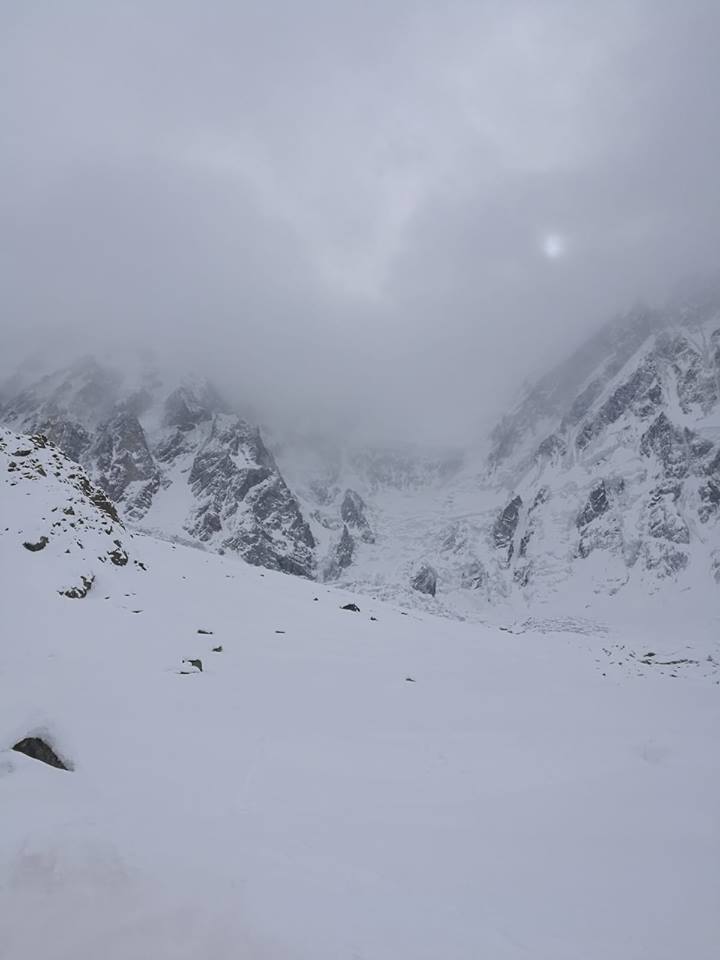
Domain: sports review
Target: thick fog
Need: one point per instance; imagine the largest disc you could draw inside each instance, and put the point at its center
(399, 208)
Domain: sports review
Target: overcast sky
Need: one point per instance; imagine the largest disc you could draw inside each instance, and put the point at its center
(403, 206)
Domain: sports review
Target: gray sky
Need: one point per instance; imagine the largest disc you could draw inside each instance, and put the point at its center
(404, 207)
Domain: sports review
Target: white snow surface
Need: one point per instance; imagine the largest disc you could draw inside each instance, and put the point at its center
(549, 793)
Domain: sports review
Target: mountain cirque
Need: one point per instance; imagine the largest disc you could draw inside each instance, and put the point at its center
(606, 475)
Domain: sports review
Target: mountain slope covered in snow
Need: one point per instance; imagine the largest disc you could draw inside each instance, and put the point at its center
(603, 482)
(255, 771)
(173, 457)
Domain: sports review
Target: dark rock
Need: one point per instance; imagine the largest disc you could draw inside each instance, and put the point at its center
(425, 580)
(710, 497)
(352, 511)
(118, 556)
(79, 592)
(345, 549)
(270, 530)
(663, 519)
(351, 606)
(34, 547)
(340, 557)
(668, 443)
(122, 457)
(596, 505)
(541, 497)
(96, 497)
(505, 526)
(72, 438)
(641, 393)
(38, 749)
(195, 663)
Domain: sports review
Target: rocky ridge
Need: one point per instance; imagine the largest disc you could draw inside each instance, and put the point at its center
(606, 474)
(173, 458)
(68, 530)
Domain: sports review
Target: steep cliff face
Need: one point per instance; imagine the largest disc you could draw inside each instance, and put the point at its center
(605, 476)
(625, 483)
(172, 458)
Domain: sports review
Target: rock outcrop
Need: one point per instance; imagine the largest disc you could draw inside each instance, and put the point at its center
(176, 460)
(628, 469)
(425, 580)
(65, 526)
(353, 514)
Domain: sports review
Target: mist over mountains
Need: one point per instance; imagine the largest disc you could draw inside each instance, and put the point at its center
(603, 479)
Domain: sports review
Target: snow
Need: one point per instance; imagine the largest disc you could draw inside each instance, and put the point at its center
(526, 794)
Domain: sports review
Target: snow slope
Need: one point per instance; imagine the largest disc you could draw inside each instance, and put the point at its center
(536, 794)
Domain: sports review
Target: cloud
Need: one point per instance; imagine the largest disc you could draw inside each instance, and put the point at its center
(346, 204)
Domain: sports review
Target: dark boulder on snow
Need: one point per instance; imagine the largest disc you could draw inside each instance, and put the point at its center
(351, 606)
(38, 749)
(39, 545)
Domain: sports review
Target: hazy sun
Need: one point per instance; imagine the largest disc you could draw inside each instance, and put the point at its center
(553, 246)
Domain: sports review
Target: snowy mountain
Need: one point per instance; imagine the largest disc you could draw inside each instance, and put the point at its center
(602, 485)
(612, 465)
(604, 481)
(173, 458)
(200, 758)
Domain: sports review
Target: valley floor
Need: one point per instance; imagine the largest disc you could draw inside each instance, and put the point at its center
(335, 786)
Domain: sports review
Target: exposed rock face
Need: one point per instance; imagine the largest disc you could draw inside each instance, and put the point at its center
(65, 526)
(567, 393)
(352, 511)
(596, 506)
(597, 526)
(176, 459)
(123, 464)
(185, 409)
(639, 394)
(425, 580)
(243, 504)
(341, 556)
(506, 525)
(345, 549)
(643, 483)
